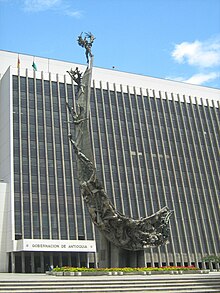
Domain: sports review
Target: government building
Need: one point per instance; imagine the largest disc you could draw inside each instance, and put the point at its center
(155, 143)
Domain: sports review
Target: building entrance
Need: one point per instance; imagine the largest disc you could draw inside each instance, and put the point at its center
(40, 262)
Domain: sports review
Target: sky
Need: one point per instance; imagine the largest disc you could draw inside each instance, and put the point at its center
(171, 39)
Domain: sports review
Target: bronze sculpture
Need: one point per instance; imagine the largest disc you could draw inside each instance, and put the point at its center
(122, 231)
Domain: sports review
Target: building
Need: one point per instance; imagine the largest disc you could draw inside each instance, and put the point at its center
(156, 143)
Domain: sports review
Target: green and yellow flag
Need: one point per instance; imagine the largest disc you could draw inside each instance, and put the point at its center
(34, 66)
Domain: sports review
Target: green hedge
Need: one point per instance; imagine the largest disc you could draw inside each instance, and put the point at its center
(144, 269)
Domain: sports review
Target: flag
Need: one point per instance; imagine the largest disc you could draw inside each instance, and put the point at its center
(18, 63)
(34, 66)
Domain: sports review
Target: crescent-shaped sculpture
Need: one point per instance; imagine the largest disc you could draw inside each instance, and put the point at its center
(122, 231)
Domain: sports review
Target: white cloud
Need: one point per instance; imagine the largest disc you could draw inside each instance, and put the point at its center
(40, 5)
(61, 6)
(201, 54)
(202, 78)
(76, 14)
(199, 78)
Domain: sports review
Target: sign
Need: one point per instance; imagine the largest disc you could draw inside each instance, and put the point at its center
(55, 245)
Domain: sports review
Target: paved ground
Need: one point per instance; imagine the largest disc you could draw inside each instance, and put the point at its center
(44, 277)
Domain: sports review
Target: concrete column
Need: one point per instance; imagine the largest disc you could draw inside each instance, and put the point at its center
(104, 261)
(95, 260)
(22, 262)
(87, 260)
(60, 260)
(32, 263)
(12, 262)
(51, 259)
(42, 262)
(114, 256)
(78, 259)
(69, 259)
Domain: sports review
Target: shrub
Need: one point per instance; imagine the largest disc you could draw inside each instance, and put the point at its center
(125, 269)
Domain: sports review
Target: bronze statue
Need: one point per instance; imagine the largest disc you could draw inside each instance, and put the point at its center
(87, 44)
(123, 231)
(76, 75)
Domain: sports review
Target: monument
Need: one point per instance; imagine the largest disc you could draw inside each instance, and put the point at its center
(121, 231)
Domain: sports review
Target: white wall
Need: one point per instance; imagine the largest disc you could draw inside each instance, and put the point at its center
(6, 167)
(5, 117)
(4, 195)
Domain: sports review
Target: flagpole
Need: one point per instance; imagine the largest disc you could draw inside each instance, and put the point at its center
(18, 64)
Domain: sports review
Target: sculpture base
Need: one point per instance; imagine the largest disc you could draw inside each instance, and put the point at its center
(111, 256)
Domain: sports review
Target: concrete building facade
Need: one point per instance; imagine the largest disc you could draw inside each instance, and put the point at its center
(155, 142)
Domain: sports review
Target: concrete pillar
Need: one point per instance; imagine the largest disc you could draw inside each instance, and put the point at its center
(42, 268)
(114, 256)
(32, 263)
(22, 262)
(104, 261)
(78, 259)
(12, 262)
(60, 260)
(51, 259)
(95, 260)
(69, 259)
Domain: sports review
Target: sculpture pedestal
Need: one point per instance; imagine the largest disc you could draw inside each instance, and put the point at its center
(110, 256)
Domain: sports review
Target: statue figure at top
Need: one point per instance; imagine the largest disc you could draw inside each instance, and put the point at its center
(86, 43)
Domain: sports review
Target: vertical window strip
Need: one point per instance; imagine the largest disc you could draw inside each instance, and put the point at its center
(213, 207)
(146, 116)
(143, 199)
(128, 207)
(170, 158)
(76, 234)
(67, 236)
(126, 202)
(130, 135)
(99, 135)
(120, 195)
(187, 159)
(152, 151)
(57, 215)
(20, 157)
(196, 122)
(199, 182)
(178, 149)
(46, 159)
(29, 159)
(200, 226)
(143, 106)
(160, 112)
(153, 116)
(107, 145)
(38, 162)
(217, 143)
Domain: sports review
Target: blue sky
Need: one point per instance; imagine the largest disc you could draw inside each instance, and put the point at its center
(173, 39)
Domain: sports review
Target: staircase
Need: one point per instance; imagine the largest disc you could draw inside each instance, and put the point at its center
(163, 284)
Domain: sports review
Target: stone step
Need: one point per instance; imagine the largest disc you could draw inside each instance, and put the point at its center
(116, 284)
(125, 290)
(112, 280)
(108, 287)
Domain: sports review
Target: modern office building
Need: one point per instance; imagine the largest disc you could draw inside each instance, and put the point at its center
(155, 142)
